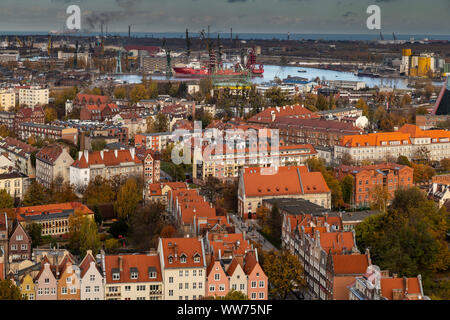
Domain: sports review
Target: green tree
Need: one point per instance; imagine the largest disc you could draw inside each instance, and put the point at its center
(161, 123)
(127, 199)
(35, 195)
(234, 295)
(362, 105)
(120, 93)
(98, 144)
(6, 201)
(111, 245)
(285, 273)
(35, 232)
(9, 291)
(90, 239)
(347, 186)
(275, 222)
(403, 160)
(146, 226)
(98, 191)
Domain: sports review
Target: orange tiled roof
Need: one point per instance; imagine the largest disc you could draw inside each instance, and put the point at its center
(142, 263)
(24, 212)
(190, 247)
(389, 284)
(350, 264)
(228, 242)
(109, 158)
(336, 241)
(265, 116)
(285, 182)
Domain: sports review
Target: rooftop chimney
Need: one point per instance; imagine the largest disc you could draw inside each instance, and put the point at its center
(102, 154)
(116, 153)
(120, 263)
(132, 152)
(86, 155)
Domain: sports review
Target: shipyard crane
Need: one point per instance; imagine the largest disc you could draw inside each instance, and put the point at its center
(381, 37)
(395, 38)
(219, 52)
(188, 46)
(209, 47)
(19, 42)
(169, 60)
(75, 59)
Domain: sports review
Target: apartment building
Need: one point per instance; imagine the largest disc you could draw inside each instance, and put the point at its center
(99, 112)
(7, 100)
(183, 268)
(54, 218)
(105, 163)
(409, 141)
(157, 192)
(7, 119)
(151, 165)
(19, 153)
(19, 244)
(228, 163)
(33, 96)
(152, 141)
(258, 184)
(25, 130)
(133, 277)
(269, 115)
(15, 183)
(53, 162)
(366, 178)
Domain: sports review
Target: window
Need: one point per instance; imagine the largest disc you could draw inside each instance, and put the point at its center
(222, 287)
(170, 279)
(24, 246)
(180, 286)
(212, 288)
(134, 275)
(170, 293)
(194, 273)
(186, 285)
(253, 284)
(13, 247)
(152, 275)
(64, 290)
(46, 280)
(183, 258)
(170, 259)
(116, 276)
(53, 291)
(217, 276)
(73, 290)
(92, 277)
(140, 288)
(261, 295)
(200, 272)
(97, 289)
(261, 284)
(197, 258)
(127, 288)
(19, 237)
(181, 273)
(88, 289)
(39, 292)
(233, 287)
(194, 285)
(253, 295)
(200, 285)
(140, 298)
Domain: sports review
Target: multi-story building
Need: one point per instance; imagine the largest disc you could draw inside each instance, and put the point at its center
(133, 277)
(183, 268)
(20, 154)
(92, 282)
(53, 163)
(46, 281)
(105, 163)
(99, 112)
(7, 120)
(25, 130)
(19, 244)
(15, 183)
(366, 178)
(54, 218)
(227, 164)
(157, 192)
(409, 141)
(69, 278)
(33, 96)
(151, 163)
(7, 100)
(269, 115)
(152, 141)
(257, 184)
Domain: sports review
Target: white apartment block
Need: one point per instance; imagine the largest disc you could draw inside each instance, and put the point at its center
(33, 96)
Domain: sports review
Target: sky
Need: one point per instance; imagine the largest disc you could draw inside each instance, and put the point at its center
(244, 16)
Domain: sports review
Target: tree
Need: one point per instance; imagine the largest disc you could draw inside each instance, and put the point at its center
(361, 104)
(35, 232)
(422, 110)
(83, 234)
(35, 195)
(127, 199)
(118, 229)
(9, 291)
(168, 232)
(98, 144)
(445, 164)
(275, 223)
(6, 201)
(161, 123)
(111, 245)
(120, 93)
(347, 186)
(403, 160)
(211, 188)
(146, 226)
(285, 273)
(50, 115)
(98, 217)
(234, 295)
(98, 191)
(409, 239)
(422, 173)
(380, 196)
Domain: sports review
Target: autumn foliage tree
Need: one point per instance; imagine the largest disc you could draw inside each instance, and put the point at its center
(9, 291)
(6, 201)
(168, 232)
(127, 199)
(285, 273)
(83, 234)
(98, 191)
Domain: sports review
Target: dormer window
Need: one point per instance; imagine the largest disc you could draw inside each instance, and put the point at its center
(133, 273)
(183, 258)
(197, 258)
(115, 274)
(170, 259)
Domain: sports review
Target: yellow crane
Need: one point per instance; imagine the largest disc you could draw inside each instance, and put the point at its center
(19, 41)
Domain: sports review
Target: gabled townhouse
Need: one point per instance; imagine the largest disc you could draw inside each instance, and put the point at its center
(257, 280)
(69, 278)
(105, 163)
(19, 244)
(217, 282)
(258, 184)
(237, 276)
(92, 283)
(27, 287)
(183, 267)
(53, 162)
(151, 162)
(46, 281)
(133, 277)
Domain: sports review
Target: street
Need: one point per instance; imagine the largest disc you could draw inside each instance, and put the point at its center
(253, 234)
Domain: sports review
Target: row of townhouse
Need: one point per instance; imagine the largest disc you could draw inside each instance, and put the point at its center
(409, 141)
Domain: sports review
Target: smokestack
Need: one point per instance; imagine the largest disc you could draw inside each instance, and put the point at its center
(129, 31)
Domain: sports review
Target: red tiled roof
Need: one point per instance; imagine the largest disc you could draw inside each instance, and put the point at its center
(179, 246)
(250, 262)
(50, 153)
(287, 181)
(92, 98)
(265, 116)
(336, 241)
(389, 284)
(350, 264)
(24, 212)
(229, 242)
(141, 262)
